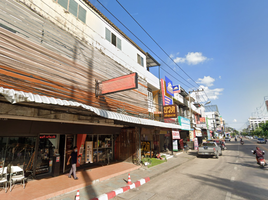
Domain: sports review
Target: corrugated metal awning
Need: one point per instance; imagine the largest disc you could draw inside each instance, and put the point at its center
(14, 96)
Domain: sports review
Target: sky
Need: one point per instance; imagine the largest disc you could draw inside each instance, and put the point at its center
(221, 45)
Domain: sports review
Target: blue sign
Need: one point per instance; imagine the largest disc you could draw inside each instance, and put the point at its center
(176, 88)
(168, 101)
(169, 86)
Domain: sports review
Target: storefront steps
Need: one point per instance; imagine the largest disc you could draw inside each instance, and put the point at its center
(54, 186)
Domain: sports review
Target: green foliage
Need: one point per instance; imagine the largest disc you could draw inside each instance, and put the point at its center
(262, 131)
(155, 162)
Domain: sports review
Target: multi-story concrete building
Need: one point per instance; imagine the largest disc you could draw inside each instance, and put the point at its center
(255, 121)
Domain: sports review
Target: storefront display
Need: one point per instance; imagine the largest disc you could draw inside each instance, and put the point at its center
(17, 150)
(99, 148)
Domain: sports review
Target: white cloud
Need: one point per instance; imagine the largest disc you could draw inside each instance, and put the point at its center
(219, 77)
(207, 80)
(192, 58)
(211, 93)
(234, 120)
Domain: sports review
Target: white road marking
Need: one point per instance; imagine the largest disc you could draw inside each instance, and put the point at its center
(228, 196)
(235, 168)
(232, 179)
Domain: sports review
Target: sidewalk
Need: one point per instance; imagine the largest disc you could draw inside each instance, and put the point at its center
(114, 183)
(53, 186)
(91, 182)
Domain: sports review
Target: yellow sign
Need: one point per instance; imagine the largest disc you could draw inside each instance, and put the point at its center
(170, 111)
(145, 146)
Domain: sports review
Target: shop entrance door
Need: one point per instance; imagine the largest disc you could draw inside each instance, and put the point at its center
(66, 148)
(62, 152)
(125, 145)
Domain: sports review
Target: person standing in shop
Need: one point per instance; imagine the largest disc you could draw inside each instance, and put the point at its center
(73, 159)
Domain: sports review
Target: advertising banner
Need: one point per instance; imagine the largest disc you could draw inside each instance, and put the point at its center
(175, 145)
(198, 133)
(184, 122)
(176, 135)
(169, 86)
(195, 144)
(191, 135)
(89, 152)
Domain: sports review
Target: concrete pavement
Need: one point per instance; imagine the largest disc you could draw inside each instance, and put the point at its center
(233, 176)
(103, 187)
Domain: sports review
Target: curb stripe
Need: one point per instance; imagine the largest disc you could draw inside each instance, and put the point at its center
(112, 194)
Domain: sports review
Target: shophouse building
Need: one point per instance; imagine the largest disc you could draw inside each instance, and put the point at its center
(213, 120)
(69, 77)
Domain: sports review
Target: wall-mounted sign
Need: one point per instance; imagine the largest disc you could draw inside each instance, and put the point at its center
(202, 120)
(169, 86)
(176, 89)
(47, 136)
(184, 122)
(170, 111)
(118, 84)
(168, 101)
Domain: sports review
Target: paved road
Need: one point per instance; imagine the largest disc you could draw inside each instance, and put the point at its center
(235, 175)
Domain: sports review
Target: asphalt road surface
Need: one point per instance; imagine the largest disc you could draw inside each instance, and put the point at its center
(235, 175)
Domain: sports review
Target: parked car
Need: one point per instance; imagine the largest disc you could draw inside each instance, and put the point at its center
(261, 141)
(209, 149)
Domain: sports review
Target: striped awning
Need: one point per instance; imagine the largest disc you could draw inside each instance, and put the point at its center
(14, 97)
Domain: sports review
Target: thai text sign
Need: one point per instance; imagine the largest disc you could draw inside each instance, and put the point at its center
(168, 101)
(170, 111)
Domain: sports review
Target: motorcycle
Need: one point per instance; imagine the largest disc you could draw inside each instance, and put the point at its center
(235, 139)
(242, 142)
(261, 161)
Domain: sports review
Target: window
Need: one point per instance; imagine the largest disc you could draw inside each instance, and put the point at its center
(140, 60)
(112, 38)
(73, 7)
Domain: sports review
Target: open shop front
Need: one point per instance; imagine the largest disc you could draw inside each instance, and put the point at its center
(150, 142)
(43, 148)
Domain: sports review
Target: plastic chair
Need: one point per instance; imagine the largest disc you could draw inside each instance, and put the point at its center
(17, 174)
(3, 177)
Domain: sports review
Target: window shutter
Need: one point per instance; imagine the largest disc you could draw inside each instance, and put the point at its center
(73, 7)
(82, 14)
(108, 34)
(118, 43)
(63, 3)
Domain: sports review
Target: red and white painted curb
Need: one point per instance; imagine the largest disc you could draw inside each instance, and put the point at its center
(112, 194)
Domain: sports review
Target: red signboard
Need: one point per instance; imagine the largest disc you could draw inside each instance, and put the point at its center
(47, 136)
(119, 84)
(202, 120)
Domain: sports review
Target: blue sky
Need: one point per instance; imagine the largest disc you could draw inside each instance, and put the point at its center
(222, 45)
